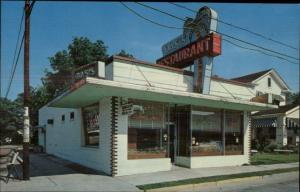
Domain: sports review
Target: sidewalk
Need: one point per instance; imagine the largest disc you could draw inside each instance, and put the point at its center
(180, 173)
(49, 173)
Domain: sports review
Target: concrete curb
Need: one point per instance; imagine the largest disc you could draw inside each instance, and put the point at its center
(193, 187)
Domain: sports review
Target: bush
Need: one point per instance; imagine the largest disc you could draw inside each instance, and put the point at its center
(270, 147)
(255, 144)
(291, 147)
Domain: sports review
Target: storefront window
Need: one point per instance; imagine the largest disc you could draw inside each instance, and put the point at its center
(90, 116)
(234, 133)
(206, 132)
(147, 134)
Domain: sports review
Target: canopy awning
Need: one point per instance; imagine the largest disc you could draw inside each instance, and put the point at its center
(265, 122)
(90, 90)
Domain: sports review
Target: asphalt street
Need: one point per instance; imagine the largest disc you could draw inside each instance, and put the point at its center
(285, 182)
(287, 186)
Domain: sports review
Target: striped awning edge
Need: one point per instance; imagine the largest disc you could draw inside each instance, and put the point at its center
(265, 122)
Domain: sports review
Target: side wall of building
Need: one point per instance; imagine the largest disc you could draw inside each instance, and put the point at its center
(262, 86)
(65, 138)
(145, 75)
(229, 90)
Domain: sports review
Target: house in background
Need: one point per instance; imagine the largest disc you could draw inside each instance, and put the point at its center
(280, 125)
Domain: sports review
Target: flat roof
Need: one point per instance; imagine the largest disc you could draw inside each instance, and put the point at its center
(97, 88)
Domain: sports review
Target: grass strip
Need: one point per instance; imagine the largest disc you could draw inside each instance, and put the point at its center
(214, 178)
(273, 158)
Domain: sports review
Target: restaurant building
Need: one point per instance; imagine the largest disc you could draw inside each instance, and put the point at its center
(125, 116)
(137, 117)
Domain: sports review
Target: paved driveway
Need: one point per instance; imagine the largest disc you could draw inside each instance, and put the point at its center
(49, 173)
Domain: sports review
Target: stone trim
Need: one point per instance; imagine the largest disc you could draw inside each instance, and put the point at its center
(114, 133)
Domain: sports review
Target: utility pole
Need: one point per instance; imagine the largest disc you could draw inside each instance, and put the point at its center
(26, 131)
(0, 49)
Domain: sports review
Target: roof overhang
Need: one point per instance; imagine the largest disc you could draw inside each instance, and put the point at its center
(90, 90)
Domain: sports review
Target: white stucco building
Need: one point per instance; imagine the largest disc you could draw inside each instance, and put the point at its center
(137, 117)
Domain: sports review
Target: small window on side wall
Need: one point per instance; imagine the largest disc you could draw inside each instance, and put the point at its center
(72, 116)
(63, 118)
(50, 121)
(269, 82)
(91, 126)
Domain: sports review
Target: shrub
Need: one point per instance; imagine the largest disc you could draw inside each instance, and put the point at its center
(270, 147)
(255, 144)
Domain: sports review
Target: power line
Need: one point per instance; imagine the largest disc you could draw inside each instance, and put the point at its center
(163, 12)
(15, 61)
(238, 27)
(171, 27)
(258, 51)
(14, 67)
(154, 22)
(16, 48)
(270, 50)
(174, 16)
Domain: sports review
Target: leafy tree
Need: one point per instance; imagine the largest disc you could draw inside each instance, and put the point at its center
(124, 54)
(38, 98)
(80, 52)
(11, 121)
(293, 98)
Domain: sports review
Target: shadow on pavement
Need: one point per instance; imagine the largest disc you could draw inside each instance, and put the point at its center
(42, 164)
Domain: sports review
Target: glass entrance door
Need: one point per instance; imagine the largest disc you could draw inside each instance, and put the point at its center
(179, 131)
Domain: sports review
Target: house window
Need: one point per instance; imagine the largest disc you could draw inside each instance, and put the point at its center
(269, 82)
(146, 130)
(90, 117)
(276, 102)
(63, 118)
(206, 132)
(72, 115)
(234, 132)
(50, 121)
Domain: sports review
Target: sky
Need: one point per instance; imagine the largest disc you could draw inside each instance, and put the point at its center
(55, 24)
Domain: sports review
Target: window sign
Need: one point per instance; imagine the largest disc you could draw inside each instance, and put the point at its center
(91, 124)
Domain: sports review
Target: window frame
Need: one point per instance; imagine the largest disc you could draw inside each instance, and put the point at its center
(269, 82)
(72, 116)
(85, 142)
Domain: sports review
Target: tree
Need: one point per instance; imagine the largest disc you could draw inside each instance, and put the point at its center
(80, 52)
(293, 98)
(38, 98)
(11, 120)
(123, 53)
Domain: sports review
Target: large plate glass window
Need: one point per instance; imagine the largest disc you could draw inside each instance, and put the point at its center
(147, 133)
(90, 116)
(234, 133)
(206, 132)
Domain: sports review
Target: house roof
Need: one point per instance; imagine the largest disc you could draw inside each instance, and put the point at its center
(217, 78)
(251, 77)
(280, 109)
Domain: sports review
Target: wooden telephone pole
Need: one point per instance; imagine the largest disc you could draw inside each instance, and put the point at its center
(26, 132)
